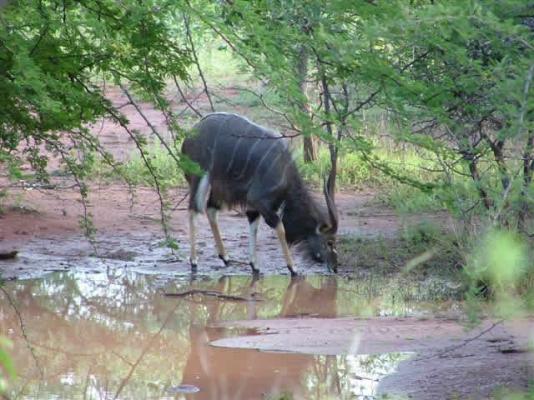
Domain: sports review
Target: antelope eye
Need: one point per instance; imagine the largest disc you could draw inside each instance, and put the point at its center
(330, 243)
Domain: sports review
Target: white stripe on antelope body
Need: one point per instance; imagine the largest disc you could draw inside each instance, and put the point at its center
(250, 166)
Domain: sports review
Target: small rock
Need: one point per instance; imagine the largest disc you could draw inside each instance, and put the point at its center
(183, 389)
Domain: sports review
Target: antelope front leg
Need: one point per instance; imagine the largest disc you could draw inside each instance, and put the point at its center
(254, 221)
(212, 218)
(192, 238)
(281, 232)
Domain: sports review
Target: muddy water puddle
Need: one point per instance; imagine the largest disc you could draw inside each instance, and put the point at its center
(117, 335)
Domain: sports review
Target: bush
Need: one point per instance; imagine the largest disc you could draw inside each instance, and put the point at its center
(135, 172)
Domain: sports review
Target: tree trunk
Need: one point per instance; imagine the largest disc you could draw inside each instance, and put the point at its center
(528, 171)
(528, 157)
(310, 151)
(332, 146)
(473, 169)
(309, 145)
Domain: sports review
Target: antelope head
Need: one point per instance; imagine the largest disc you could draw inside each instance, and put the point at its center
(322, 244)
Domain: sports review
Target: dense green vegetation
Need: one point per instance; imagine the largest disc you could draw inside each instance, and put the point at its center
(448, 82)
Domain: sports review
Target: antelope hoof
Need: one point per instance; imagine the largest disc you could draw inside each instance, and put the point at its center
(193, 263)
(255, 271)
(292, 271)
(224, 260)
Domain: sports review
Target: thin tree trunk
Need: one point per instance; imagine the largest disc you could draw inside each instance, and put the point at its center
(497, 149)
(332, 146)
(309, 145)
(528, 172)
(475, 175)
(528, 156)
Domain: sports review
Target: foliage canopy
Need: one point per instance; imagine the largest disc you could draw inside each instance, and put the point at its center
(452, 79)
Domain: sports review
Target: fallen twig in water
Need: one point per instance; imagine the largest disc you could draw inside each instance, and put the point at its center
(9, 255)
(212, 293)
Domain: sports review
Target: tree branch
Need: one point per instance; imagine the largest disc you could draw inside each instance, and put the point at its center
(196, 61)
(184, 98)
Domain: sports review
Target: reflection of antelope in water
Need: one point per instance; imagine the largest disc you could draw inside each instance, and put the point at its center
(247, 165)
(301, 298)
(223, 373)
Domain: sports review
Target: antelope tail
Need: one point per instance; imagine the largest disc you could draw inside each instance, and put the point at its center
(202, 194)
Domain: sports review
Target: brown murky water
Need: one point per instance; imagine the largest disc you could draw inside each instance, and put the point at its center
(115, 335)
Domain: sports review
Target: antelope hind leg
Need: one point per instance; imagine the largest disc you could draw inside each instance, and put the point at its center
(193, 259)
(212, 218)
(199, 193)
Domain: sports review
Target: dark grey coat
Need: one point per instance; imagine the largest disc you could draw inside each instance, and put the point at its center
(251, 166)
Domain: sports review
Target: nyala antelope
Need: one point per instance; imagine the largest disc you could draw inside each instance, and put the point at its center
(250, 166)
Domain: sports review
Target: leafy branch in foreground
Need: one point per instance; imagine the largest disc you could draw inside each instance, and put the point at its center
(54, 56)
(7, 369)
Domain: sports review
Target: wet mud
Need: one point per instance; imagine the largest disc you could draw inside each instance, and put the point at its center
(95, 323)
(44, 227)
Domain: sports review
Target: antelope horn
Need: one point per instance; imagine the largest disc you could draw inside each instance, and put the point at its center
(330, 203)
